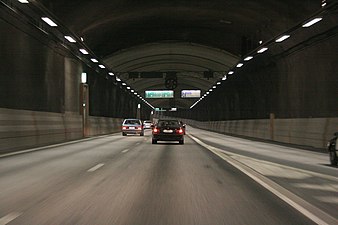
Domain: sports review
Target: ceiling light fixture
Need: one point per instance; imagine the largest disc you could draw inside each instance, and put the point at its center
(111, 74)
(262, 50)
(102, 66)
(70, 39)
(23, 1)
(282, 38)
(224, 78)
(94, 60)
(84, 51)
(231, 72)
(239, 65)
(311, 22)
(49, 21)
(248, 58)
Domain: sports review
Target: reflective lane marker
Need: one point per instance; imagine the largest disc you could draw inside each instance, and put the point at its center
(94, 168)
(6, 219)
(126, 150)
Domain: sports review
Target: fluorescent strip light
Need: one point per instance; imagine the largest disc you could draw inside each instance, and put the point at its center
(94, 60)
(102, 66)
(135, 93)
(210, 90)
(124, 84)
(84, 51)
(132, 91)
(218, 83)
(23, 1)
(207, 92)
(214, 87)
(231, 72)
(313, 21)
(262, 50)
(118, 79)
(70, 39)
(282, 38)
(49, 21)
(83, 78)
(324, 4)
(111, 74)
(248, 58)
(128, 88)
(224, 78)
(239, 65)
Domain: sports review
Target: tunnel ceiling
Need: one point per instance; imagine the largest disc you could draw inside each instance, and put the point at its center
(186, 37)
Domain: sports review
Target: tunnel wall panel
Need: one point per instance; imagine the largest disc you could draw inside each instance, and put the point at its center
(310, 132)
(21, 129)
(103, 125)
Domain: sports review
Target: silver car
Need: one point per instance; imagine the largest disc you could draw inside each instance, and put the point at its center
(132, 126)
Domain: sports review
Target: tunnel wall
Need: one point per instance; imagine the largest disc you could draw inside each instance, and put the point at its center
(21, 129)
(307, 132)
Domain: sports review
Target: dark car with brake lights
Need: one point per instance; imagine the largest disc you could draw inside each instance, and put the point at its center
(168, 130)
(132, 126)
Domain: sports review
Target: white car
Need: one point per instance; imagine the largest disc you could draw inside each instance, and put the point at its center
(147, 124)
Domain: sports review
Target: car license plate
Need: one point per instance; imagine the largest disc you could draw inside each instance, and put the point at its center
(131, 128)
(168, 131)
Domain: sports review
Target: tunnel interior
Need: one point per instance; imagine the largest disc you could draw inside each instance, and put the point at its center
(212, 46)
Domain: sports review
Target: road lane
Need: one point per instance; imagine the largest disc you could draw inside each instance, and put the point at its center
(148, 184)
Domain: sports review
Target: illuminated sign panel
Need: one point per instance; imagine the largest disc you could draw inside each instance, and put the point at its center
(159, 94)
(190, 93)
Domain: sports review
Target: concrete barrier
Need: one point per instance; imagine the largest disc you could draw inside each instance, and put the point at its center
(310, 132)
(21, 129)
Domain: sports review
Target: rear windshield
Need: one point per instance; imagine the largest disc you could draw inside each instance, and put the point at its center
(132, 122)
(163, 123)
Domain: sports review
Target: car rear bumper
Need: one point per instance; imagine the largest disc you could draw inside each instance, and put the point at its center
(160, 137)
(132, 131)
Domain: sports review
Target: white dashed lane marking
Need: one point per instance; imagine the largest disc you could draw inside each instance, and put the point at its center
(8, 218)
(98, 166)
(125, 150)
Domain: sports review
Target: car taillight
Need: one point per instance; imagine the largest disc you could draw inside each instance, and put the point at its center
(180, 131)
(139, 128)
(124, 128)
(155, 130)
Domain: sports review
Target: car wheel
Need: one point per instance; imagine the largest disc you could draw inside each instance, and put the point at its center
(124, 134)
(153, 141)
(333, 158)
(182, 142)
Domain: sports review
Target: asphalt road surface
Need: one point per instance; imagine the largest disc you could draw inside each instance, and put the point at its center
(128, 181)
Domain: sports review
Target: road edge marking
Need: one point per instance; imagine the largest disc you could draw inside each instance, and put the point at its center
(9, 217)
(312, 212)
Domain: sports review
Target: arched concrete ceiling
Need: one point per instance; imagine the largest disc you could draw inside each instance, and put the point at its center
(184, 36)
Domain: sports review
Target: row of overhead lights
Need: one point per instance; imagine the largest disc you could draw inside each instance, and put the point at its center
(258, 51)
(71, 39)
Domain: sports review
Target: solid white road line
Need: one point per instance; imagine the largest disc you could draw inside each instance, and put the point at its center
(95, 167)
(8, 218)
(313, 213)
